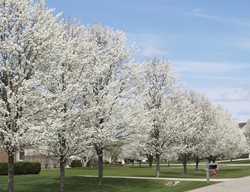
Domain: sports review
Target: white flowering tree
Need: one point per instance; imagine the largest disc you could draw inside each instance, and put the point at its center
(202, 119)
(61, 85)
(131, 152)
(188, 113)
(28, 33)
(246, 131)
(233, 142)
(170, 155)
(135, 148)
(206, 117)
(157, 85)
(236, 144)
(205, 131)
(139, 118)
(88, 153)
(103, 109)
(223, 137)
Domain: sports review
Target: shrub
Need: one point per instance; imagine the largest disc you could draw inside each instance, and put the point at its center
(76, 163)
(21, 168)
(244, 155)
(92, 163)
(105, 162)
(4, 168)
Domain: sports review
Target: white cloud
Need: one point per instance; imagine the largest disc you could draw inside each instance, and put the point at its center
(207, 67)
(235, 100)
(221, 19)
(153, 52)
(150, 45)
(233, 95)
(240, 43)
(213, 77)
(229, 78)
(146, 39)
(245, 112)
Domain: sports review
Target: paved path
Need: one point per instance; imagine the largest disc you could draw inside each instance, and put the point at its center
(235, 185)
(226, 185)
(162, 178)
(235, 165)
(203, 164)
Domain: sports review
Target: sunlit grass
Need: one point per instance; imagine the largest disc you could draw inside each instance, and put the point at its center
(47, 180)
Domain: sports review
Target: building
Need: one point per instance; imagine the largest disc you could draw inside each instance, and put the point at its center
(19, 156)
(241, 125)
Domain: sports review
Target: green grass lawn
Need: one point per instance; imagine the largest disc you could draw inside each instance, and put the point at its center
(175, 172)
(47, 180)
(170, 162)
(247, 161)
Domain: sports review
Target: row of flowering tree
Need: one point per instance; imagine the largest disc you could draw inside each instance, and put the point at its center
(178, 124)
(72, 89)
(61, 84)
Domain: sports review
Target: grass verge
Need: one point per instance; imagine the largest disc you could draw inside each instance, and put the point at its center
(47, 181)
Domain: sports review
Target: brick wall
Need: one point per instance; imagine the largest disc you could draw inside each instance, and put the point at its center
(3, 156)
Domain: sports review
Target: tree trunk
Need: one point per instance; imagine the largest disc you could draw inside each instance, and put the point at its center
(139, 163)
(11, 173)
(84, 161)
(150, 160)
(168, 163)
(133, 162)
(157, 159)
(62, 175)
(185, 166)
(197, 161)
(211, 159)
(100, 167)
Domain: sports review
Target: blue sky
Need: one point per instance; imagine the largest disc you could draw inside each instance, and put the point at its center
(208, 41)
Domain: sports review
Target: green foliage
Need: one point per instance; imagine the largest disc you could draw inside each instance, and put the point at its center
(21, 168)
(244, 155)
(3, 168)
(106, 162)
(76, 163)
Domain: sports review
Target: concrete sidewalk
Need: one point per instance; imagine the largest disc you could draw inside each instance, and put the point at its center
(235, 185)
(162, 178)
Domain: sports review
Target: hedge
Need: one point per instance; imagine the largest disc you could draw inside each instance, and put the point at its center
(76, 163)
(21, 168)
